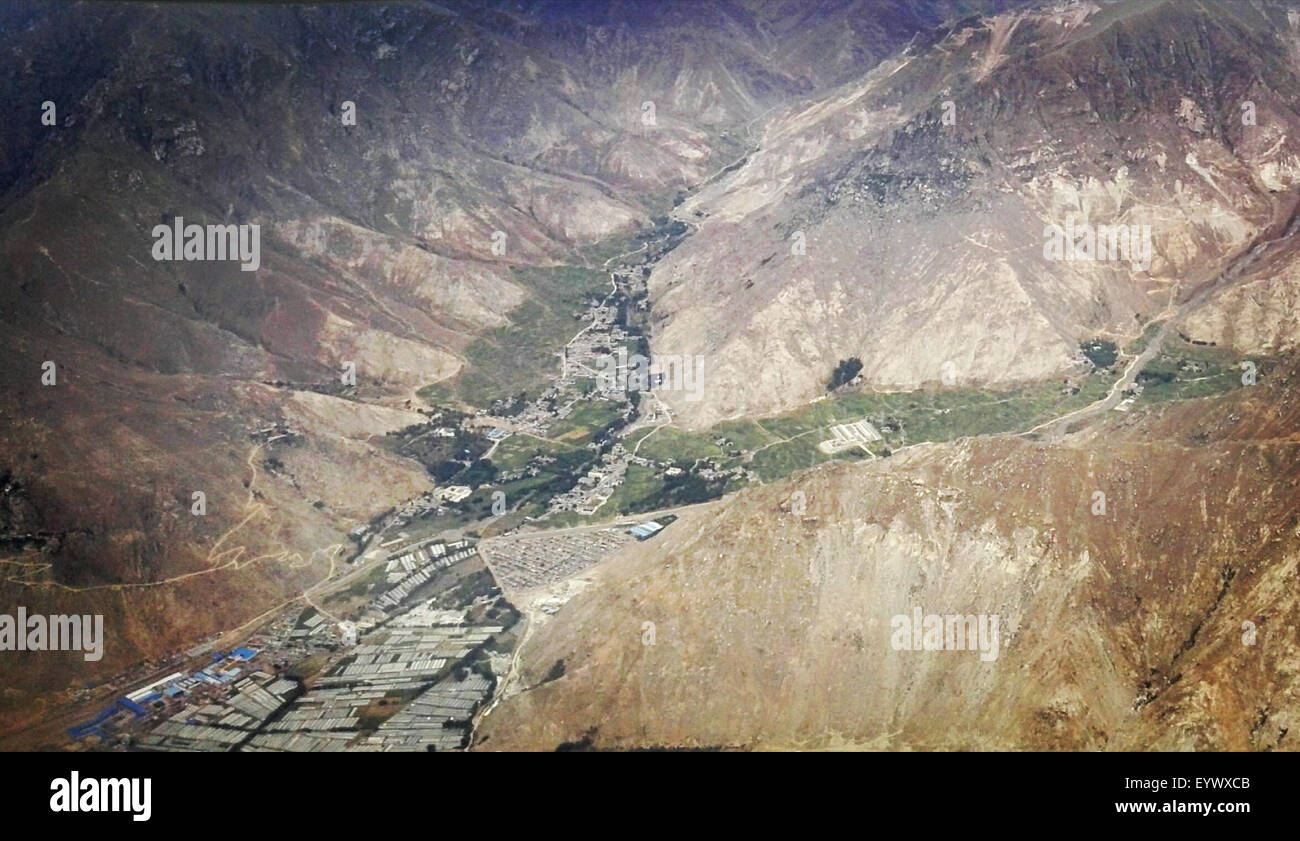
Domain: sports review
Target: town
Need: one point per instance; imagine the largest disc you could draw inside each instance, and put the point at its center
(401, 658)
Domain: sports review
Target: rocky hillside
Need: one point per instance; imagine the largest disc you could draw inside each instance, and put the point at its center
(520, 126)
(1162, 615)
(901, 218)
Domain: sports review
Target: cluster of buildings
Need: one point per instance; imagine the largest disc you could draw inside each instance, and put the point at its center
(846, 436)
(226, 723)
(141, 670)
(582, 356)
(412, 557)
(438, 719)
(432, 501)
(521, 562)
(416, 506)
(595, 488)
(216, 708)
(536, 417)
(400, 689)
(293, 636)
(314, 626)
(712, 471)
(425, 559)
(402, 658)
(404, 687)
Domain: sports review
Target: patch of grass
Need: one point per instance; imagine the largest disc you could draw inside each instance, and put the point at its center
(364, 587)
(1183, 371)
(516, 451)
(746, 434)
(670, 444)
(607, 249)
(588, 419)
(308, 668)
(520, 356)
(639, 492)
(438, 394)
(1139, 344)
(568, 519)
(632, 439)
(781, 460)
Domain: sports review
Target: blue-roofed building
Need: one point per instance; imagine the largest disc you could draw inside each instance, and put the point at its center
(93, 726)
(140, 712)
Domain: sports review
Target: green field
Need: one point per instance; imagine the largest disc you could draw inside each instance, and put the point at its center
(639, 492)
(668, 444)
(787, 443)
(1182, 371)
(781, 460)
(589, 418)
(745, 434)
(515, 452)
(518, 357)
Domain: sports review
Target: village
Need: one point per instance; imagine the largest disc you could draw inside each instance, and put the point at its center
(402, 661)
(402, 657)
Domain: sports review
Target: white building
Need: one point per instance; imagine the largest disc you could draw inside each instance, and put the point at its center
(848, 435)
(454, 493)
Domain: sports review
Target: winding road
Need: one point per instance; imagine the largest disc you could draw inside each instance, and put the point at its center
(1286, 217)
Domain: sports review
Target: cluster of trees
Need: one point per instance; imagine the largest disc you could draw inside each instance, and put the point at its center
(1100, 353)
(844, 372)
(509, 406)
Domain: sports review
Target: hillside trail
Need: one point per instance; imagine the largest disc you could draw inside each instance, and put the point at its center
(37, 574)
(1286, 223)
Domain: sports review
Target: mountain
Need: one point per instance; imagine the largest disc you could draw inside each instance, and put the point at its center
(1141, 563)
(523, 124)
(920, 194)
(891, 216)
(1162, 620)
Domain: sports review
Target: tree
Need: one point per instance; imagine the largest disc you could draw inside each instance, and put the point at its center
(1100, 353)
(844, 372)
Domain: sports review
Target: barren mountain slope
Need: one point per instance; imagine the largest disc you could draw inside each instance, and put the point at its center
(1119, 630)
(1257, 314)
(921, 193)
(377, 249)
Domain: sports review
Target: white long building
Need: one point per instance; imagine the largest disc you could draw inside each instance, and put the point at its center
(848, 435)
